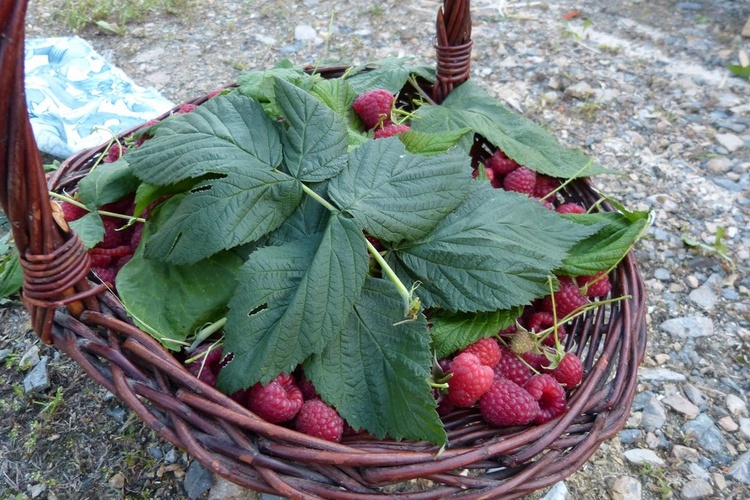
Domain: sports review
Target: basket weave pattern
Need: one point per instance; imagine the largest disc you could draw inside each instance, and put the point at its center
(79, 316)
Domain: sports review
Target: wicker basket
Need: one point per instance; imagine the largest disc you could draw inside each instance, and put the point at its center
(71, 311)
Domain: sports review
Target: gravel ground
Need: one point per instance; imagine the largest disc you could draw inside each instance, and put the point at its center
(642, 86)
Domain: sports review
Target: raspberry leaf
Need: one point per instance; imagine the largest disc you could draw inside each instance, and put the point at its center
(615, 236)
(107, 183)
(291, 301)
(493, 252)
(315, 138)
(188, 296)
(397, 195)
(390, 74)
(90, 228)
(452, 332)
(374, 373)
(432, 144)
(261, 85)
(522, 140)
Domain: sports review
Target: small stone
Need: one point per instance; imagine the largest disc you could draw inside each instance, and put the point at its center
(681, 405)
(30, 358)
(694, 394)
(660, 375)
(630, 436)
(699, 472)
(745, 428)
(705, 297)
(626, 488)
(198, 480)
(654, 415)
(226, 490)
(4, 353)
(37, 489)
(580, 90)
(640, 456)
(661, 358)
(746, 29)
(37, 379)
(719, 165)
(558, 492)
(719, 480)
(304, 32)
(696, 489)
(731, 142)
(117, 481)
(689, 326)
(728, 424)
(685, 453)
(709, 436)
(735, 405)
(740, 470)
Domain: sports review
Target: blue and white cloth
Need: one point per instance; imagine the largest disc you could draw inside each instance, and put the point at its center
(77, 100)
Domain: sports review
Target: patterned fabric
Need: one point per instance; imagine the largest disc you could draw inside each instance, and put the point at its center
(77, 100)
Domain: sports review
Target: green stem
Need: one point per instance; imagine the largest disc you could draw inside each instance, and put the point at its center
(315, 196)
(207, 332)
(411, 303)
(100, 212)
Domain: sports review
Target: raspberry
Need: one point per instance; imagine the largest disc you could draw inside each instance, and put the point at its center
(522, 342)
(521, 180)
(500, 164)
(306, 387)
(567, 299)
(279, 401)
(470, 380)
(542, 320)
(488, 172)
(506, 403)
(106, 274)
(72, 212)
(390, 130)
(317, 419)
(569, 371)
(114, 153)
(570, 208)
(512, 368)
(545, 185)
(597, 285)
(486, 349)
(186, 108)
(135, 239)
(549, 394)
(537, 360)
(374, 107)
(206, 367)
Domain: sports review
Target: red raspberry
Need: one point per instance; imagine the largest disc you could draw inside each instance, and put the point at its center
(567, 299)
(72, 212)
(521, 180)
(537, 360)
(570, 208)
(390, 130)
(374, 107)
(549, 394)
(545, 185)
(186, 108)
(106, 274)
(279, 401)
(507, 403)
(135, 239)
(488, 172)
(486, 349)
(512, 368)
(470, 380)
(542, 320)
(114, 153)
(500, 164)
(597, 285)
(317, 419)
(569, 371)
(206, 367)
(306, 387)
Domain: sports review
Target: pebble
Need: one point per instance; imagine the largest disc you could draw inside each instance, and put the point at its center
(689, 326)
(736, 406)
(304, 32)
(225, 490)
(740, 470)
(695, 395)
(660, 374)
(37, 379)
(728, 424)
(30, 358)
(117, 481)
(626, 488)
(4, 353)
(705, 432)
(681, 405)
(745, 428)
(731, 142)
(640, 456)
(198, 480)
(558, 492)
(654, 415)
(696, 489)
(580, 91)
(685, 453)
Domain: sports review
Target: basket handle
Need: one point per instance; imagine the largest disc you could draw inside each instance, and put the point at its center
(55, 262)
(453, 46)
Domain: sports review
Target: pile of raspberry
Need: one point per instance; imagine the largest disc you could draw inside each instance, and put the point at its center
(289, 399)
(375, 109)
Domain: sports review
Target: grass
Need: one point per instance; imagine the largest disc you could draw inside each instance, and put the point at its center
(77, 14)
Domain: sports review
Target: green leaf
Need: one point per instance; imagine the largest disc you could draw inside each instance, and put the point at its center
(223, 213)
(229, 133)
(11, 273)
(261, 85)
(375, 372)
(429, 144)
(521, 139)
(315, 139)
(308, 219)
(89, 228)
(339, 96)
(736, 69)
(390, 74)
(614, 238)
(292, 300)
(453, 331)
(170, 302)
(494, 252)
(396, 195)
(107, 183)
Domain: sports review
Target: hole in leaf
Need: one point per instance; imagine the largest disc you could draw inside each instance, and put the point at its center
(258, 309)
